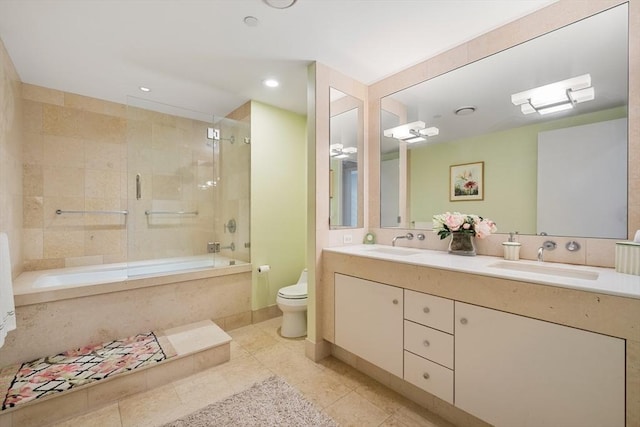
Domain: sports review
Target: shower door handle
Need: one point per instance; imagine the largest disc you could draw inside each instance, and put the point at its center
(138, 187)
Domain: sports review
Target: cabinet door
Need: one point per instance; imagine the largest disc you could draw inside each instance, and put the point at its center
(368, 321)
(516, 371)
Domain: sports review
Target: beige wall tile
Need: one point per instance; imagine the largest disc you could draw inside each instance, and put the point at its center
(33, 180)
(103, 242)
(63, 151)
(33, 148)
(63, 182)
(167, 187)
(103, 128)
(33, 208)
(94, 105)
(33, 242)
(63, 243)
(43, 264)
(164, 137)
(32, 116)
(60, 121)
(102, 184)
(83, 260)
(100, 155)
(42, 94)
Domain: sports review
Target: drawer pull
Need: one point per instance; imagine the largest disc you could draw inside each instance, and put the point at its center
(425, 376)
(395, 301)
(426, 343)
(464, 320)
(426, 310)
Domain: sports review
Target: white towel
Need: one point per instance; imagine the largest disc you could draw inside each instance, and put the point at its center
(7, 305)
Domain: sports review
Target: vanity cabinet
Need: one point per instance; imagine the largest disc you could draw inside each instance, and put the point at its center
(369, 321)
(514, 371)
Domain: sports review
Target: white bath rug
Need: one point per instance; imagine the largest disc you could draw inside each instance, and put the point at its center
(270, 403)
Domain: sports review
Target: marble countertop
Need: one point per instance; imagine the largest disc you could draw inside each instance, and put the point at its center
(584, 278)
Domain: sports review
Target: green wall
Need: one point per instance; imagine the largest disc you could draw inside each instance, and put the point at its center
(510, 177)
(278, 200)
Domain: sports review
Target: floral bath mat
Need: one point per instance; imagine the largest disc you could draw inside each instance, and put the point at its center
(64, 371)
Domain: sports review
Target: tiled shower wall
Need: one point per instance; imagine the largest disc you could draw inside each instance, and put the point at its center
(11, 159)
(82, 153)
(74, 159)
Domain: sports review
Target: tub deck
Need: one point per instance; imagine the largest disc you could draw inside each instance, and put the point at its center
(77, 282)
(198, 345)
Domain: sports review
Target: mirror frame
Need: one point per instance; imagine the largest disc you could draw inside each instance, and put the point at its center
(553, 17)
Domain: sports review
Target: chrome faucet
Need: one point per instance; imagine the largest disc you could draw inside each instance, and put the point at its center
(408, 236)
(548, 245)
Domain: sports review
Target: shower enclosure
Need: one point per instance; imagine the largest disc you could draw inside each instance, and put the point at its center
(188, 189)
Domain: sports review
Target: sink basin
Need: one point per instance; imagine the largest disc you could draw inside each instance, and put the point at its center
(549, 270)
(394, 251)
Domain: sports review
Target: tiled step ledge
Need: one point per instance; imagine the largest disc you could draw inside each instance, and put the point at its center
(199, 346)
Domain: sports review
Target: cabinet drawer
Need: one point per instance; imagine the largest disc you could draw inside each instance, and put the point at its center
(429, 310)
(429, 376)
(429, 343)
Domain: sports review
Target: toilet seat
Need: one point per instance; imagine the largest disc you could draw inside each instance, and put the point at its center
(294, 292)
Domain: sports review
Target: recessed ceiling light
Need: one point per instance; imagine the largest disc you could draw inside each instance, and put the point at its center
(280, 4)
(251, 21)
(145, 89)
(271, 83)
(465, 111)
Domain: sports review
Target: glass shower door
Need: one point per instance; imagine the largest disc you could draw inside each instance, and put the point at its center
(232, 163)
(172, 184)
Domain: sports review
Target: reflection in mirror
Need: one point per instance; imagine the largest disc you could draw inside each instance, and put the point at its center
(553, 165)
(346, 139)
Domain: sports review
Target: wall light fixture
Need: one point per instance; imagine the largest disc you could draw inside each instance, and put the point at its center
(554, 97)
(341, 152)
(411, 132)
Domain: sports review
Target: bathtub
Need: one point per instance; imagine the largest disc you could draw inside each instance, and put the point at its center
(119, 272)
(66, 308)
(49, 285)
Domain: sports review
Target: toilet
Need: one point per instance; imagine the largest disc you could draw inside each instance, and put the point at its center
(292, 301)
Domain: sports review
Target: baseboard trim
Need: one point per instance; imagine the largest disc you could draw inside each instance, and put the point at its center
(265, 313)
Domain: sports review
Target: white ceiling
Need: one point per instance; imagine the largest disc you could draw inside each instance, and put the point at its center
(199, 54)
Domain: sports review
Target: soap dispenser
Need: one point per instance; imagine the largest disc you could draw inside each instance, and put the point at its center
(512, 248)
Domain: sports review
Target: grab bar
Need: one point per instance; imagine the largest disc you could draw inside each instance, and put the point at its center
(170, 213)
(60, 212)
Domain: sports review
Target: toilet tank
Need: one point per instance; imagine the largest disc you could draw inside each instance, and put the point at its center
(303, 277)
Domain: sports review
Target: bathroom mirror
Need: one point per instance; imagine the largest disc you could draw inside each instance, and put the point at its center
(535, 165)
(345, 153)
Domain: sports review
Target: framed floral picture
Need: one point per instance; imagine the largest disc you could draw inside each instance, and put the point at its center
(466, 182)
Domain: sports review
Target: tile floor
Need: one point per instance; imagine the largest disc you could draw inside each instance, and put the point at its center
(257, 352)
